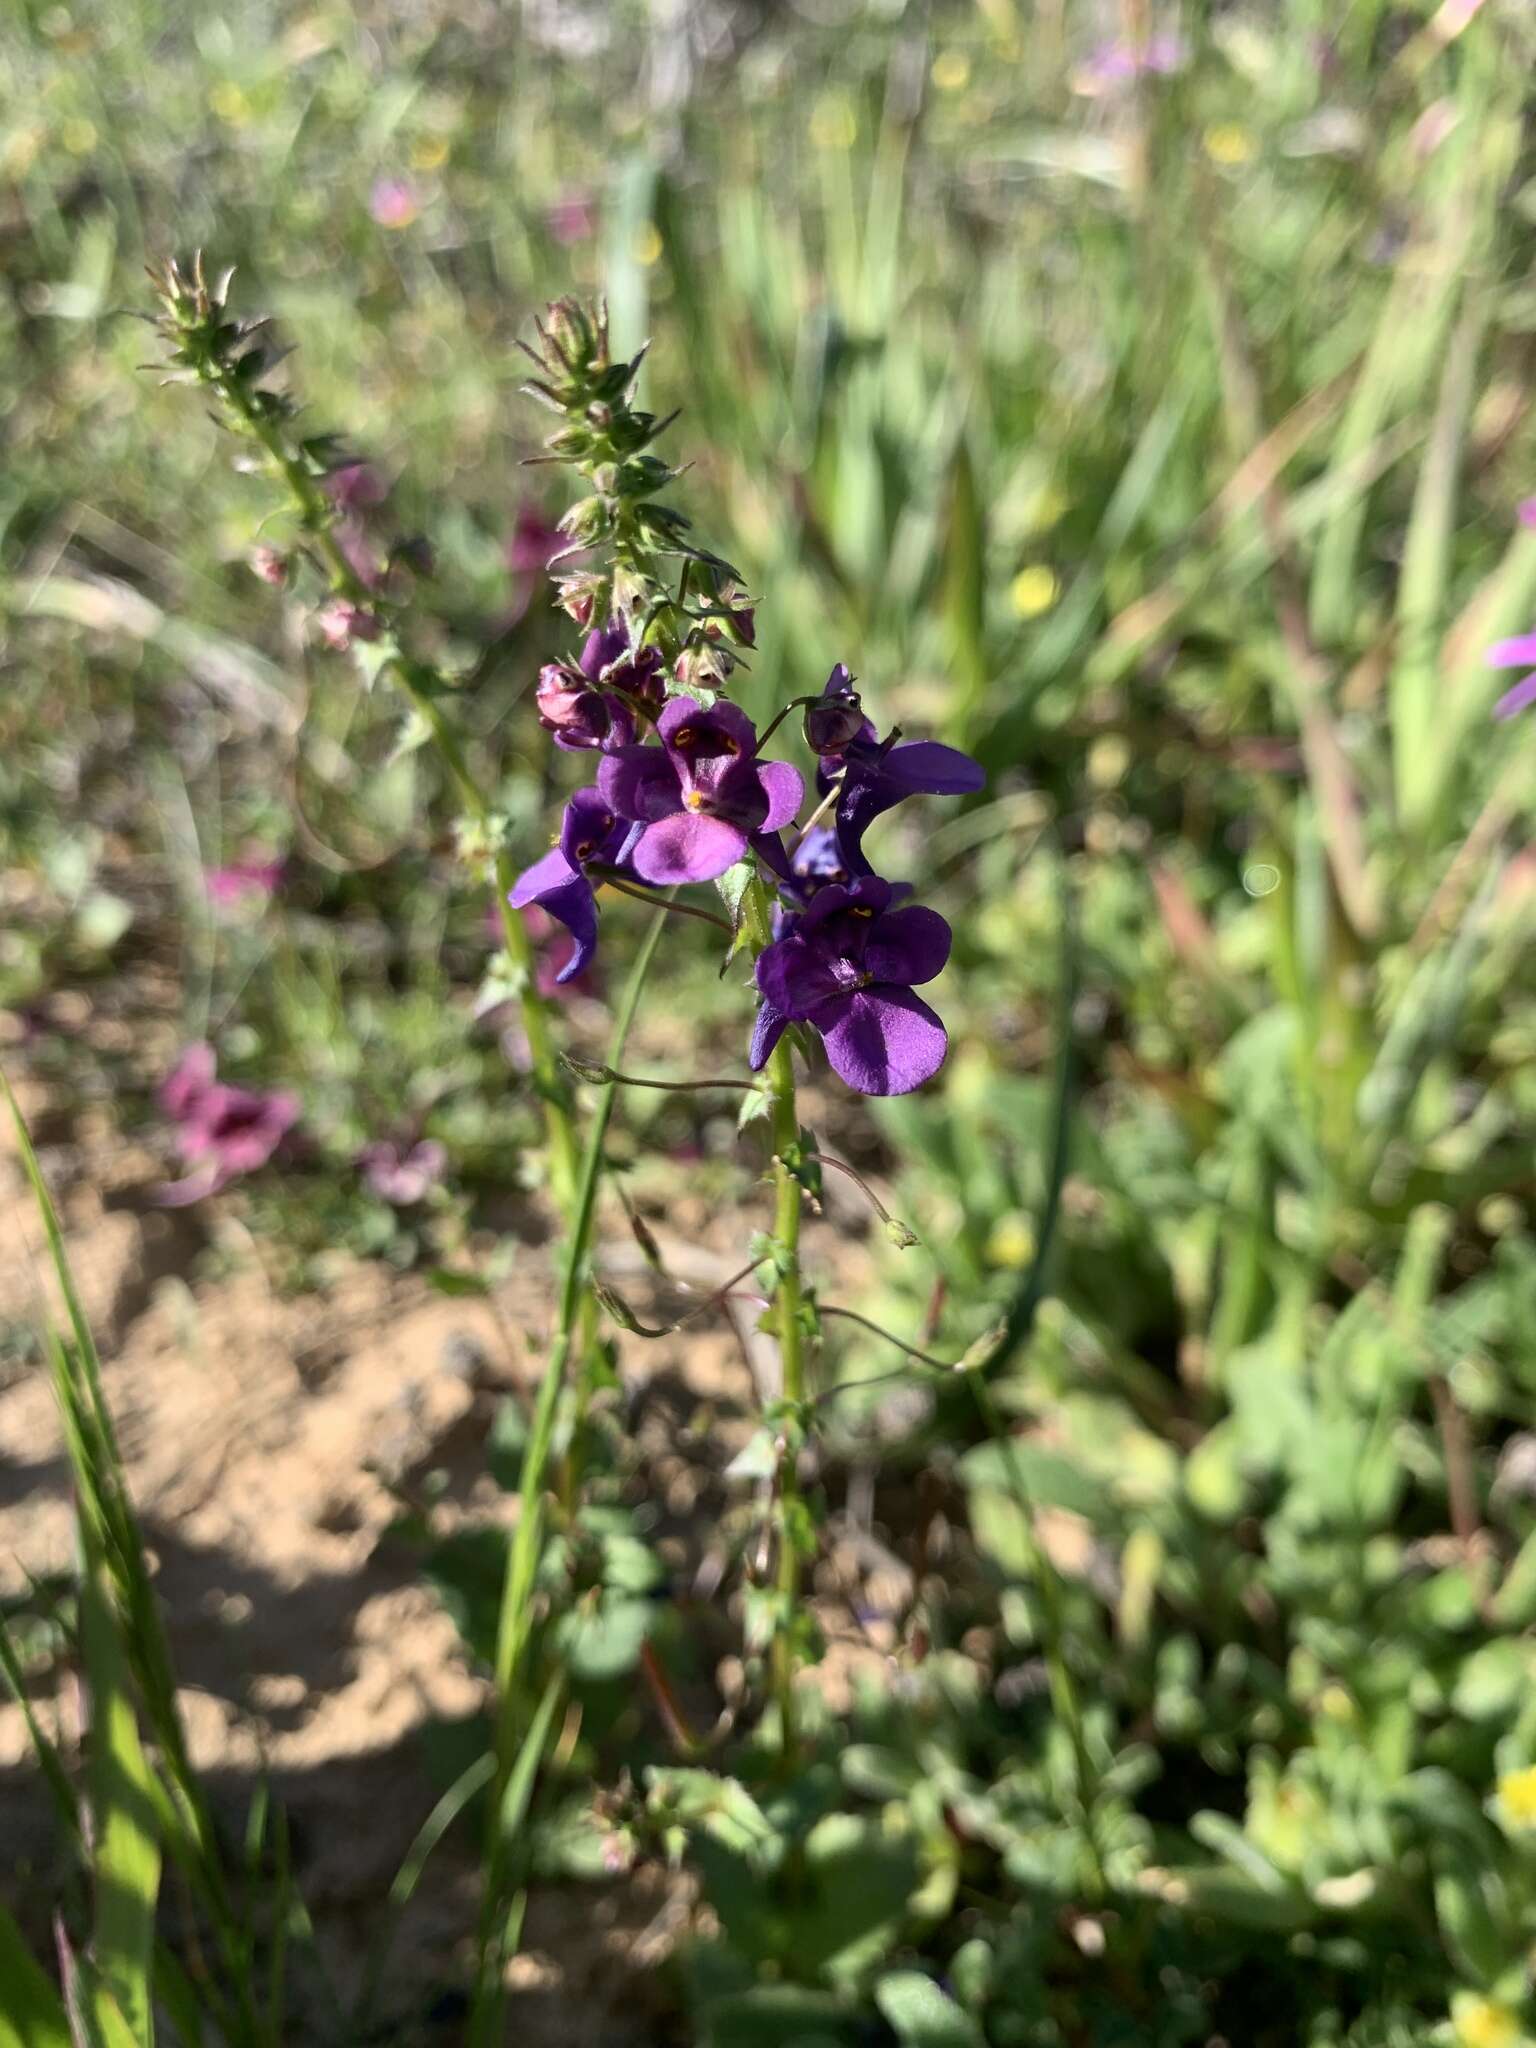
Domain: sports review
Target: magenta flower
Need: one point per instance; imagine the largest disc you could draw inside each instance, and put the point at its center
(877, 775)
(1519, 652)
(572, 218)
(533, 544)
(342, 623)
(590, 831)
(394, 202)
(1525, 512)
(243, 884)
(221, 1131)
(403, 1174)
(1112, 66)
(847, 966)
(355, 487)
(700, 795)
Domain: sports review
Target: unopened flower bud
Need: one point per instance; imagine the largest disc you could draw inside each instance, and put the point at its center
(577, 595)
(833, 723)
(569, 707)
(569, 326)
(269, 565)
(342, 623)
(703, 665)
(586, 521)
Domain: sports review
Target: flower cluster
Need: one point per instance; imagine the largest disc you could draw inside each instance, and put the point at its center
(683, 794)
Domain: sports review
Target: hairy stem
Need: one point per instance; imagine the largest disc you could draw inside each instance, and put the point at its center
(790, 1329)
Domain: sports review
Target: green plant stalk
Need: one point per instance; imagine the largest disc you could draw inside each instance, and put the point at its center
(421, 684)
(789, 1327)
(514, 1626)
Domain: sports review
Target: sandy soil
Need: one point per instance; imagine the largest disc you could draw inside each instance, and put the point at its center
(268, 1443)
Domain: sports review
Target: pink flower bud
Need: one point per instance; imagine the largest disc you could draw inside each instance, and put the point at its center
(577, 595)
(570, 708)
(342, 623)
(269, 565)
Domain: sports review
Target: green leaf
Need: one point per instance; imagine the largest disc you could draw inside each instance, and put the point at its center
(923, 2016)
(31, 2011)
(125, 1848)
(603, 1640)
(1036, 1478)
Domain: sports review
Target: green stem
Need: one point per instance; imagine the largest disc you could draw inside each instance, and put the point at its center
(790, 1330)
(514, 1627)
(422, 685)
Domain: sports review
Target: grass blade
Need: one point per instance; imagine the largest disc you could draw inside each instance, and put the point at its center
(31, 2011)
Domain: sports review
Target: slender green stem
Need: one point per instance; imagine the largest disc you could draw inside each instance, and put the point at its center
(515, 1623)
(422, 686)
(789, 1326)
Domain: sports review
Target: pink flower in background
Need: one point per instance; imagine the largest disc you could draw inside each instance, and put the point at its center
(355, 487)
(531, 546)
(1520, 652)
(394, 202)
(403, 1174)
(1525, 512)
(1112, 66)
(572, 218)
(269, 565)
(221, 1132)
(243, 884)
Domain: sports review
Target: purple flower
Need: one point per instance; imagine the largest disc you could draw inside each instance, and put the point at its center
(244, 884)
(591, 830)
(1525, 512)
(1114, 65)
(355, 487)
(847, 966)
(877, 775)
(222, 1132)
(608, 659)
(402, 1174)
(534, 543)
(700, 795)
(1516, 653)
(579, 716)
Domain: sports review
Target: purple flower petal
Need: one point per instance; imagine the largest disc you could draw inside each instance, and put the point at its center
(553, 871)
(1517, 699)
(925, 768)
(1515, 653)
(784, 789)
(766, 1032)
(589, 829)
(576, 908)
(640, 783)
(907, 946)
(882, 1040)
(687, 847)
(795, 975)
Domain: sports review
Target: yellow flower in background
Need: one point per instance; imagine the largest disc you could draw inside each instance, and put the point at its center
(1515, 1798)
(834, 125)
(647, 244)
(1012, 1242)
(1485, 2023)
(1034, 590)
(430, 153)
(951, 71)
(1229, 143)
(230, 103)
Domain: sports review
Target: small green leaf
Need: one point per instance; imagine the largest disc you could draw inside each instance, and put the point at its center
(923, 2016)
